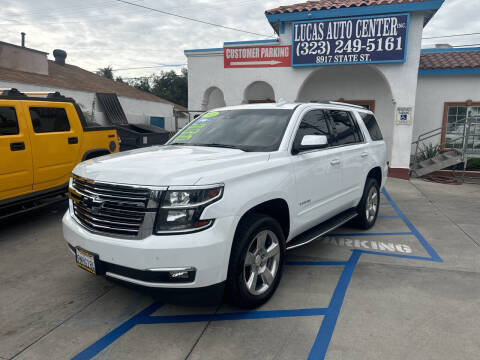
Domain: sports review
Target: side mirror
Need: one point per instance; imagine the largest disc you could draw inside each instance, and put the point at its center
(311, 142)
(314, 140)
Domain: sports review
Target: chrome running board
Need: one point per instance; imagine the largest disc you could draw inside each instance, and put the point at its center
(321, 229)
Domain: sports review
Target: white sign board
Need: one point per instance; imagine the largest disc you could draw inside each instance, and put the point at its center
(404, 116)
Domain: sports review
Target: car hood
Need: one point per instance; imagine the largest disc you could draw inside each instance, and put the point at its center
(168, 165)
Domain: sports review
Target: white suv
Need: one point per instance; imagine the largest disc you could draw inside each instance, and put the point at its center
(221, 202)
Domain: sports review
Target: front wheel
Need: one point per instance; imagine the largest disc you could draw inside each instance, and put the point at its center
(369, 205)
(256, 261)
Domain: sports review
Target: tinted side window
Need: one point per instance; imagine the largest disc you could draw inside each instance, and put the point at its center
(313, 123)
(8, 121)
(45, 120)
(347, 132)
(372, 126)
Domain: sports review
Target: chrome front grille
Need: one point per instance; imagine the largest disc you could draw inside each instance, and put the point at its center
(124, 211)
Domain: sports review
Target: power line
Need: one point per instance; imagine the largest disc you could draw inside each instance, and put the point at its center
(175, 65)
(465, 45)
(454, 46)
(135, 78)
(55, 15)
(58, 11)
(191, 19)
(449, 36)
(150, 67)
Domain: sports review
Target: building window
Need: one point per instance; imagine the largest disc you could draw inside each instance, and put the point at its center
(461, 127)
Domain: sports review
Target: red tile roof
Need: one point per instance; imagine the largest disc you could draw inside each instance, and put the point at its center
(75, 78)
(450, 60)
(334, 4)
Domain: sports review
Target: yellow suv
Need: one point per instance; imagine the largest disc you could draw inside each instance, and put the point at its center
(42, 137)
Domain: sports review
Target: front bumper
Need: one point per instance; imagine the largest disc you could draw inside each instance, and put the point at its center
(133, 261)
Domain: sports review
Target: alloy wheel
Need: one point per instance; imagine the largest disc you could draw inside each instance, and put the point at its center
(261, 262)
(371, 204)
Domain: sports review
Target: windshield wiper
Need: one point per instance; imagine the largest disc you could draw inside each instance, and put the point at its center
(209, 145)
(218, 145)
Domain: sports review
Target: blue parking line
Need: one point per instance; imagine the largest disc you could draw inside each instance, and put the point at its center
(433, 254)
(145, 318)
(325, 333)
(243, 315)
(113, 335)
(331, 313)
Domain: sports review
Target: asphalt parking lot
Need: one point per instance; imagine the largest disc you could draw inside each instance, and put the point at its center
(409, 288)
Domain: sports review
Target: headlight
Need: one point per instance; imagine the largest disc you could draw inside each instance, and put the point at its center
(181, 209)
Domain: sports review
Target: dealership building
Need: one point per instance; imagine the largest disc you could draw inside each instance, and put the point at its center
(365, 52)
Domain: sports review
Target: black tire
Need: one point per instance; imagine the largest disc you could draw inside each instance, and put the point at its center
(361, 220)
(245, 238)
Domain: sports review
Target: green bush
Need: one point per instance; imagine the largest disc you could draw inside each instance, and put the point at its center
(473, 164)
(429, 151)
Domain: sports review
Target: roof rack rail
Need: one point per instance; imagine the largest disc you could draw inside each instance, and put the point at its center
(346, 104)
(11, 92)
(338, 103)
(16, 93)
(320, 101)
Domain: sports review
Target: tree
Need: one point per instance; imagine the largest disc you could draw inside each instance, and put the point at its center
(106, 72)
(142, 83)
(168, 85)
(171, 86)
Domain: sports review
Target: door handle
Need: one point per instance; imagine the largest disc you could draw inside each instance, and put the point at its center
(73, 140)
(364, 155)
(335, 162)
(17, 146)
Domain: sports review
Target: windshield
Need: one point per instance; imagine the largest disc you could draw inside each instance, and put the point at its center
(247, 130)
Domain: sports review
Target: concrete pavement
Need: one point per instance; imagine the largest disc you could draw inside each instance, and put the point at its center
(395, 303)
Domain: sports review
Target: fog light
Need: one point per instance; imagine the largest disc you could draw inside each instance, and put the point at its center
(179, 274)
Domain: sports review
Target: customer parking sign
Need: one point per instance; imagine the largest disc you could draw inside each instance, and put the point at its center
(377, 39)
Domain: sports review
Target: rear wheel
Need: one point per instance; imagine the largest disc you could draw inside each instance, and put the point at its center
(256, 261)
(369, 205)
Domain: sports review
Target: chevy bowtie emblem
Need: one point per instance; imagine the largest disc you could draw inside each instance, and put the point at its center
(94, 203)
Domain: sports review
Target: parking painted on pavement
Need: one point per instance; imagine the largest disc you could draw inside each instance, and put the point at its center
(330, 314)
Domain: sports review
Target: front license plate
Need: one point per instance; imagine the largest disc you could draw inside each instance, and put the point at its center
(86, 260)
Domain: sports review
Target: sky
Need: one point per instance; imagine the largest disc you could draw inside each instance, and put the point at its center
(100, 33)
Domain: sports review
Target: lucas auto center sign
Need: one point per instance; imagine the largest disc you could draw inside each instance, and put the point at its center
(360, 40)
(377, 39)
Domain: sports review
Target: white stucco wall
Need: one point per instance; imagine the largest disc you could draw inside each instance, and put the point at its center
(212, 98)
(434, 91)
(258, 91)
(398, 88)
(137, 111)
